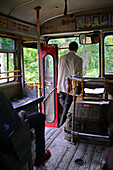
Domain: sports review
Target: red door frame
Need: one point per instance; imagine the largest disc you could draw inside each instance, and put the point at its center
(53, 51)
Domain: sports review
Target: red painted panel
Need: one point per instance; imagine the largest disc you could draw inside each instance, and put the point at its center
(52, 50)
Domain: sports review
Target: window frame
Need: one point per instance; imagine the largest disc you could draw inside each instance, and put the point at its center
(8, 52)
(104, 35)
(67, 48)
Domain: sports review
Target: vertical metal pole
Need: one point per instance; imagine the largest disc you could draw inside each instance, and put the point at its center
(101, 44)
(106, 89)
(73, 116)
(82, 86)
(38, 44)
(22, 79)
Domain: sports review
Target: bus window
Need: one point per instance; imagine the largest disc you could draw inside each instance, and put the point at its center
(31, 64)
(108, 54)
(7, 59)
(89, 53)
(7, 43)
(49, 84)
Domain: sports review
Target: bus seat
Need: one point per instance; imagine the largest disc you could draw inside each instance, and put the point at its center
(21, 142)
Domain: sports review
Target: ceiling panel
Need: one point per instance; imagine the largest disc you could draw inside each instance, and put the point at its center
(24, 9)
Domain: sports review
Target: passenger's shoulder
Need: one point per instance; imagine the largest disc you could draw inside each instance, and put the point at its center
(63, 56)
(79, 57)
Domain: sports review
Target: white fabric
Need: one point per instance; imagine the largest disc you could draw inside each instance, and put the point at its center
(69, 64)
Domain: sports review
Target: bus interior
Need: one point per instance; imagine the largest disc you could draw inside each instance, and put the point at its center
(33, 36)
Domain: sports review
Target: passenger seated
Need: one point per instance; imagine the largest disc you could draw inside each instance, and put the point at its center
(10, 121)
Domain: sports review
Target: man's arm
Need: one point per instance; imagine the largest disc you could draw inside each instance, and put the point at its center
(60, 73)
(81, 68)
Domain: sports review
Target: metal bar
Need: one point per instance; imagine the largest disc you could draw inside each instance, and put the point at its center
(89, 135)
(31, 85)
(10, 71)
(34, 83)
(10, 77)
(48, 95)
(38, 44)
(101, 44)
(71, 78)
(10, 36)
(7, 51)
(32, 41)
(94, 98)
(73, 116)
(101, 80)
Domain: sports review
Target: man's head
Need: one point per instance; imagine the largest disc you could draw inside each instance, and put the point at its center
(95, 39)
(73, 46)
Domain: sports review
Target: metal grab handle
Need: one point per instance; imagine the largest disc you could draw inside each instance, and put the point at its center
(48, 95)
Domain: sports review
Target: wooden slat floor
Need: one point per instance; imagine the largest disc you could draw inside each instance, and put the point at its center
(65, 153)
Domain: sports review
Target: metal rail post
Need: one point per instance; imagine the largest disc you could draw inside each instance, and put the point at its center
(38, 44)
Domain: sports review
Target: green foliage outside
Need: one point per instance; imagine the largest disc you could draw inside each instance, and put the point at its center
(89, 53)
(7, 57)
(7, 43)
(109, 54)
(31, 65)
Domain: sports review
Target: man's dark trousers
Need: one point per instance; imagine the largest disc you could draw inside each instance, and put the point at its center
(66, 101)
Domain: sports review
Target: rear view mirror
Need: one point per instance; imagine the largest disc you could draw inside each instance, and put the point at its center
(89, 38)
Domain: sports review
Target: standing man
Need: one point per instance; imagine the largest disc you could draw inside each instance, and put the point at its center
(69, 64)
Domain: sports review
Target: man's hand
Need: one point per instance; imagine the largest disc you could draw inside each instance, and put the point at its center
(22, 114)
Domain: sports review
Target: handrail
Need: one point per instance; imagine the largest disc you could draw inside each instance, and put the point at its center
(10, 77)
(32, 41)
(48, 95)
(7, 50)
(34, 83)
(84, 80)
(7, 72)
(15, 71)
(9, 36)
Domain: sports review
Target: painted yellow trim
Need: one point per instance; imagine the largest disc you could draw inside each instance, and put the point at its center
(9, 36)
(101, 42)
(9, 77)
(32, 41)
(15, 71)
(111, 40)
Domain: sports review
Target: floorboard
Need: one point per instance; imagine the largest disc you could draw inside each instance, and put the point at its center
(64, 153)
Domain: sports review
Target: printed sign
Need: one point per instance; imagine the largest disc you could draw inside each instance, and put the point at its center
(3, 22)
(19, 26)
(94, 21)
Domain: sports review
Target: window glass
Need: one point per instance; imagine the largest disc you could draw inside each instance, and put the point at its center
(7, 43)
(3, 62)
(108, 51)
(11, 65)
(3, 67)
(31, 64)
(48, 87)
(89, 53)
(6, 64)
(7, 53)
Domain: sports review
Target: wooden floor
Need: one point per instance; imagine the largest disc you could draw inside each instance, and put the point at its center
(65, 153)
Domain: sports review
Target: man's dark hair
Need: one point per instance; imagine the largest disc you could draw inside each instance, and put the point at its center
(73, 46)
